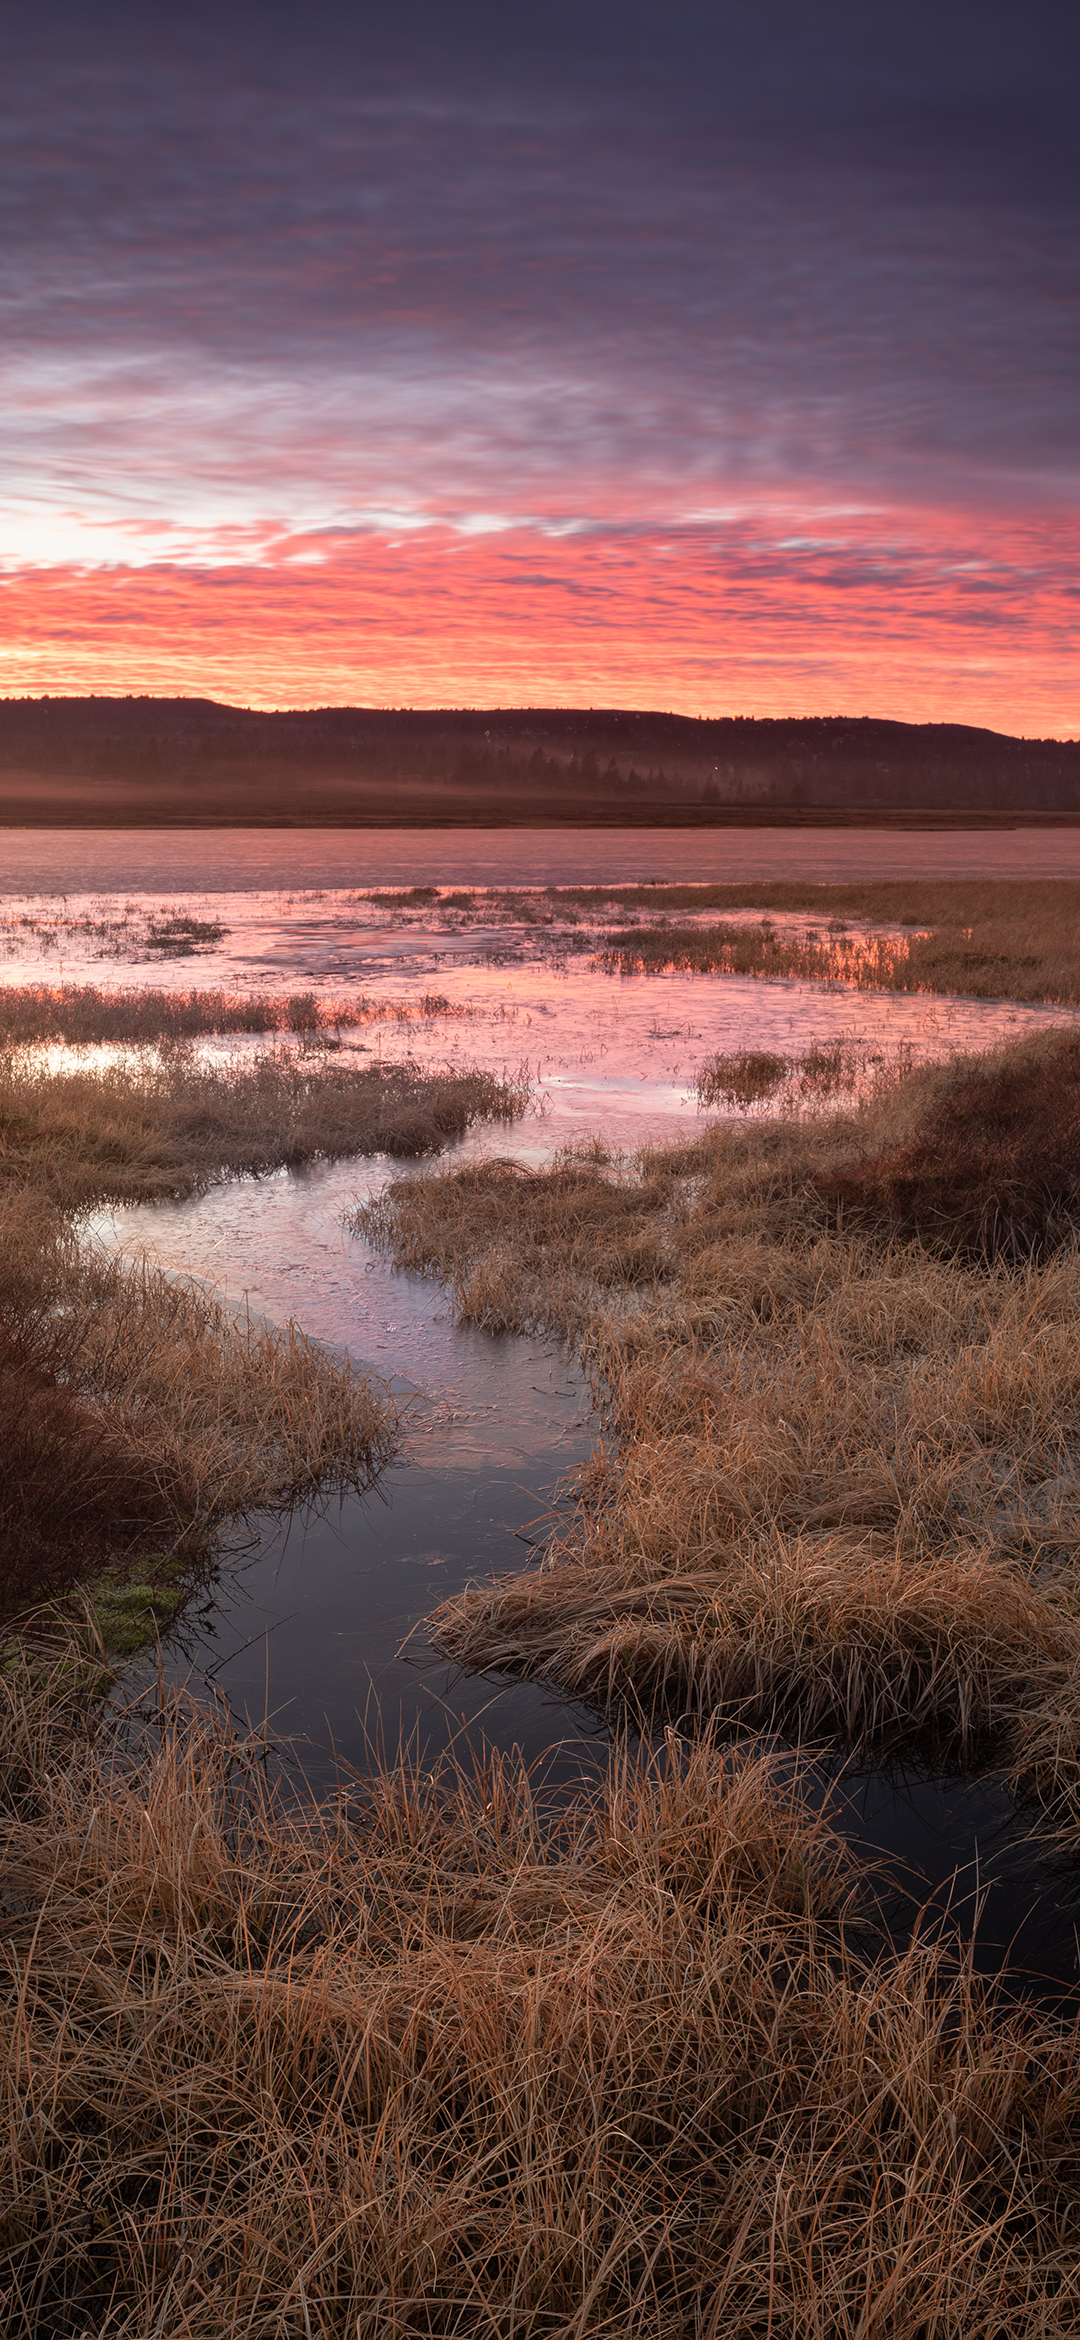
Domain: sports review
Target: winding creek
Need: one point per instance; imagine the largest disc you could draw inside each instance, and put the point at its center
(319, 1627)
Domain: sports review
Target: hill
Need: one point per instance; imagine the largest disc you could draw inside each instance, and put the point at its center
(145, 761)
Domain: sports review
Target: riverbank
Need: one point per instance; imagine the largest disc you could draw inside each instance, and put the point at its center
(138, 1415)
(837, 1353)
(443, 2055)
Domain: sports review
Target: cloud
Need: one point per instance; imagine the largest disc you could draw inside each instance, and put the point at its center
(883, 615)
(278, 290)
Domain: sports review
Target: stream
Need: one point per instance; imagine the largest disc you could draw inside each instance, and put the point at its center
(317, 1629)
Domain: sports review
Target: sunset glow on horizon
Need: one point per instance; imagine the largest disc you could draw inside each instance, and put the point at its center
(730, 369)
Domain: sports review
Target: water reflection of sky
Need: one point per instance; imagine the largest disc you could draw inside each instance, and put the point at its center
(613, 1055)
(166, 861)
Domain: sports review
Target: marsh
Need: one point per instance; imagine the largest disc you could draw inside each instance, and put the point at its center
(716, 1429)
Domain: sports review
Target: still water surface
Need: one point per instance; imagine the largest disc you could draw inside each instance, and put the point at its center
(167, 861)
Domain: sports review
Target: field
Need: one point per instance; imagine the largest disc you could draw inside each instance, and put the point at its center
(435, 2060)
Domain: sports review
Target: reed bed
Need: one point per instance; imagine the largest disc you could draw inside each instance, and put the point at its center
(81, 1014)
(839, 1486)
(980, 938)
(437, 2060)
(147, 1129)
(872, 962)
(957, 963)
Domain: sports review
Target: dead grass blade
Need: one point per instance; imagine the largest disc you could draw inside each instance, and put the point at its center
(440, 2060)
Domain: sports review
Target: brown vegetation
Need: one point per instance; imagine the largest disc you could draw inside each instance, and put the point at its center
(842, 1491)
(993, 1165)
(436, 2061)
(986, 939)
(743, 1078)
(136, 1414)
(143, 1130)
(82, 1014)
(134, 1409)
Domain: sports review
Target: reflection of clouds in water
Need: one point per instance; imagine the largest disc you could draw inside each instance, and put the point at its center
(611, 1055)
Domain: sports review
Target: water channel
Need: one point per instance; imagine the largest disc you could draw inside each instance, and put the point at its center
(319, 1628)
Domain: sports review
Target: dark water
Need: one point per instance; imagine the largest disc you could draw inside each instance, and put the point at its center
(321, 1631)
(322, 1635)
(953, 1854)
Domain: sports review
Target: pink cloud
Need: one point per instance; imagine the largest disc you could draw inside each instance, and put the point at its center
(928, 615)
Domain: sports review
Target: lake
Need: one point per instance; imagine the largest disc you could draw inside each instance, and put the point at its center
(168, 861)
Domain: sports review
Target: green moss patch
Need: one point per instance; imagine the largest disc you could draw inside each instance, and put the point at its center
(134, 1611)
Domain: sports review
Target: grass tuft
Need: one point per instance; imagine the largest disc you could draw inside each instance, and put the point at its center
(440, 2060)
(838, 1490)
(147, 1130)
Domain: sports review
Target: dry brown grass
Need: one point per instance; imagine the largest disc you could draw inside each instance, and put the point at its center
(1000, 939)
(145, 1130)
(994, 1167)
(438, 2062)
(135, 1410)
(81, 1014)
(988, 938)
(750, 1076)
(136, 1414)
(842, 1488)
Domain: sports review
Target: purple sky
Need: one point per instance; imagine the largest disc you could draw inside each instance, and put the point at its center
(748, 334)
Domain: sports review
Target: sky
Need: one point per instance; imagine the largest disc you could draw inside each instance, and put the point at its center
(718, 355)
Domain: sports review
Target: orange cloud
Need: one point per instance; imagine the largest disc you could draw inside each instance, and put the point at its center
(928, 617)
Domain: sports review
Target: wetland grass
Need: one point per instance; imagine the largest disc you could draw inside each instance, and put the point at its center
(137, 1414)
(148, 1128)
(82, 1014)
(839, 1489)
(136, 1411)
(975, 938)
(435, 2060)
(440, 2060)
(979, 939)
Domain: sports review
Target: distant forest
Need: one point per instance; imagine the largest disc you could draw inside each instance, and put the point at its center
(139, 761)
